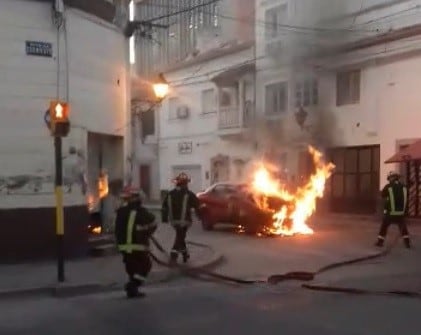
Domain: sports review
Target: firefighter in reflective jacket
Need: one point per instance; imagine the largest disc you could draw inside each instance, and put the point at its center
(133, 227)
(177, 210)
(395, 196)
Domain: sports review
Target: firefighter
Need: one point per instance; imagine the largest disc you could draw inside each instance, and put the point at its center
(177, 210)
(133, 228)
(395, 196)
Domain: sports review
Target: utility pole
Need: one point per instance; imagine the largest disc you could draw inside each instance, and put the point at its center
(59, 207)
(57, 120)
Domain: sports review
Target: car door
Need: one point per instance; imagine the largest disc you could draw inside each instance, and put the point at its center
(218, 204)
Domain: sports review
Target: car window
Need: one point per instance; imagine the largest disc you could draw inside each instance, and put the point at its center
(224, 190)
(219, 190)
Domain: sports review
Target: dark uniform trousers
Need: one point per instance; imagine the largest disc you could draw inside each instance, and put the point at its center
(180, 245)
(134, 226)
(176, 210)
(388, 220)
(138, 265)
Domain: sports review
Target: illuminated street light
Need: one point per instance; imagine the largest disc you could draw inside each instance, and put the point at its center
(161, 87)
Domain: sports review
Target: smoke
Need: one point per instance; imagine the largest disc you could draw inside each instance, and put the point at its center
(273, 138)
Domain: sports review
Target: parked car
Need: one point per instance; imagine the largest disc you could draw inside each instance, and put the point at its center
(234, 204)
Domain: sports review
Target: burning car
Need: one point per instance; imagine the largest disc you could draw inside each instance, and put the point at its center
(266, 204)
(233, 204)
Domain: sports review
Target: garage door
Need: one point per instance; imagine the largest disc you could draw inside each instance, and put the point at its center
(194, 172)
(355, 181)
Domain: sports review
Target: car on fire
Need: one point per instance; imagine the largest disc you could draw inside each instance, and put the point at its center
(236, 204)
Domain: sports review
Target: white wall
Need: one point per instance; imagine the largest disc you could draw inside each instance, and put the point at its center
(201, 129)
(389, 108)
(389, 102)
(97, 59)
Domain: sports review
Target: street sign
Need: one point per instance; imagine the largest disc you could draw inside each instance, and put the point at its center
(43, 49)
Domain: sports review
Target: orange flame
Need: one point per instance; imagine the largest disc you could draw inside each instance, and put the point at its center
(291, 219)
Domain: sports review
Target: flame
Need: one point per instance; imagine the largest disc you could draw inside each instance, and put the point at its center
(103, 186)
(300, 205)
(97, 230)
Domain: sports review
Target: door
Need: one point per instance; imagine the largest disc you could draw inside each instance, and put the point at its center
(219, 169)
(355, 181)
(145, 179)
(195, 174)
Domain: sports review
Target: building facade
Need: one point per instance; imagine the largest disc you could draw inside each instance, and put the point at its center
(352, 68)
(207, 55)
(75, 54)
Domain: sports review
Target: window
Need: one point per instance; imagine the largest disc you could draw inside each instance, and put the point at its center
(208, 101)
(306, 93)
(173, 104)
(348, 87)
(274, 18)
(276, 100)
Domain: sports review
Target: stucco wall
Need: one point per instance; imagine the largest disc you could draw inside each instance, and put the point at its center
(388, 110)
(200, 129)
(96, 88)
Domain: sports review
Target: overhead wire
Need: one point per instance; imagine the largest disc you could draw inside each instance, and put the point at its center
(288, 27)
(205, 76)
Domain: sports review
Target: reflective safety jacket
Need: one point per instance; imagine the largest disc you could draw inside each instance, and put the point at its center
(395, 196)
(134, 226)
(177, 207)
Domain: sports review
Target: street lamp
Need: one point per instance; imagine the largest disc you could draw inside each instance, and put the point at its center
(161, 87)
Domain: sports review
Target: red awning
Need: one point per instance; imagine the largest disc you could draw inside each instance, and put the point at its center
(410, 153)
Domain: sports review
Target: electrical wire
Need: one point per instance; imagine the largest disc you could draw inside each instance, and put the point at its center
(288, 27)
(181, 11)
(205, 76)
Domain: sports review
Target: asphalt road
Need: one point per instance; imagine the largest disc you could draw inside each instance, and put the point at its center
(187, 306)
(192, 308)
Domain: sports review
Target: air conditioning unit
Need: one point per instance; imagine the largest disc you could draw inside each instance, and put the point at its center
(183, 112)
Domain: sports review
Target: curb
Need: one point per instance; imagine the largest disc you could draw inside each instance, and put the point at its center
(73, 290)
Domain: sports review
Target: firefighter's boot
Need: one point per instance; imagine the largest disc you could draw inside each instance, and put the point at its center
(132, 290)
(407, 242)
(186, 256)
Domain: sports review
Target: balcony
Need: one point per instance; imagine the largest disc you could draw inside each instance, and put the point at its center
(234, 117)
(235, 98)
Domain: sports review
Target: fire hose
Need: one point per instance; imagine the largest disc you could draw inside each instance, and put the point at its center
(304, 276)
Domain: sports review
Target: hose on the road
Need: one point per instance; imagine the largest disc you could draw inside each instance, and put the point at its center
(306, 276)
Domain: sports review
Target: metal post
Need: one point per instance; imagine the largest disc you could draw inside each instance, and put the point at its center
(59, 208)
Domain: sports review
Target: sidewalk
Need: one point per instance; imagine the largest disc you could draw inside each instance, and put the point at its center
(91, 275)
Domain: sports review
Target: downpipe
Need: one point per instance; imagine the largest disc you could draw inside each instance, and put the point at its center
(303, 276)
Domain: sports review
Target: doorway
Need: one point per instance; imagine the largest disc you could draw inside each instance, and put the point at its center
(145, 179)
(355, 181)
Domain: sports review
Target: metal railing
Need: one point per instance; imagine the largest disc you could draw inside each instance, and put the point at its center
(229, 117)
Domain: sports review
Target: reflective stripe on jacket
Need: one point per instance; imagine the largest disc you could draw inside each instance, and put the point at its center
(129, 246)
(395, 208)
(182, 222)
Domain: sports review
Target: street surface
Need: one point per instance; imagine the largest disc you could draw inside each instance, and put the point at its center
(186, 306)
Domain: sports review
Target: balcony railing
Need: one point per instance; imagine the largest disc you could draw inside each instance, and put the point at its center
(236, 117)
(229, 117)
